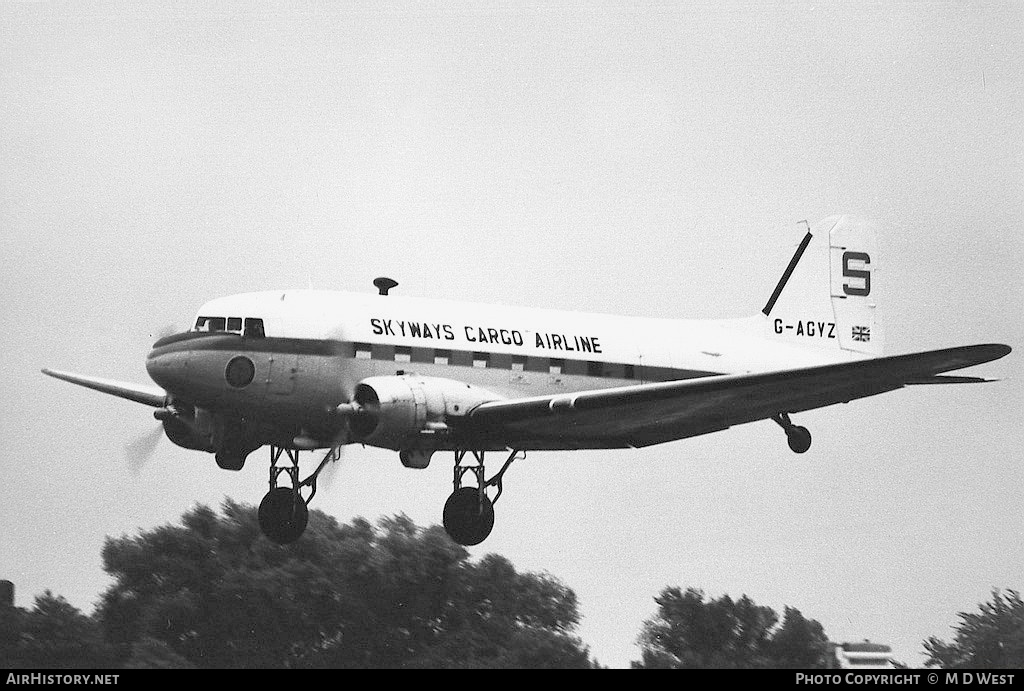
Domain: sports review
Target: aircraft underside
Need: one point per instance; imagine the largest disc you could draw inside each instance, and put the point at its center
(468, 514)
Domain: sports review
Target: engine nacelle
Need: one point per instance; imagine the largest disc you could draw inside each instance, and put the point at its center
(181, 428)
(406, 411)
(232, 439)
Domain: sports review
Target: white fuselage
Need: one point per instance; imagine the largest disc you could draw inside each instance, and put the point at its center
(516, 351)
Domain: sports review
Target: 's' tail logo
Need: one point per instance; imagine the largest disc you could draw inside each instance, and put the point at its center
(862, 274)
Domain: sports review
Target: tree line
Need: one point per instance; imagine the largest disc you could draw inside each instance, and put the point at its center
(213, 593)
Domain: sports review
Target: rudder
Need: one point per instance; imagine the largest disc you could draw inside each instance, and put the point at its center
(853, 258)
(826, 296)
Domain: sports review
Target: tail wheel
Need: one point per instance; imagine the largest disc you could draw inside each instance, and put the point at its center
(283, 515)
(799, 439)
(468, 516)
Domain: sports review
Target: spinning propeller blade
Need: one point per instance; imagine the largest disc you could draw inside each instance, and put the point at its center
(139, 452)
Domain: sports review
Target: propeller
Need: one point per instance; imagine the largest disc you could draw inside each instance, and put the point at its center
(341, 439)
(326, 477)
(346, 412)
(139, 451)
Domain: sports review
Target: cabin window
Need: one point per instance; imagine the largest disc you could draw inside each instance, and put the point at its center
(630, 372)
(555, 366)
(363, 351)
(441, 357)
(254, 328)
(235, 324)
(595, 369)
(518, 363)
(403, 354)
(480, 359)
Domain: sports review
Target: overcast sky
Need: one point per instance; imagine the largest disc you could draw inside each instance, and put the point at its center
(618, 157)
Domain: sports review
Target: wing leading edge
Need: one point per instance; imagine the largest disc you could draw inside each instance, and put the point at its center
(655, 413)
(148, 395)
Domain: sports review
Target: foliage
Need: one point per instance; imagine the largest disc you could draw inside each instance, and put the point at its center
(52, 635)
(689, 632)
(991, 638)
(214, 593)
(799, 643)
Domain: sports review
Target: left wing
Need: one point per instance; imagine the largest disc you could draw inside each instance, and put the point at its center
(633, 416)
(140, 393)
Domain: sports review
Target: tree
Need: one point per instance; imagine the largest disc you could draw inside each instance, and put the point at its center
(991, 638)
(150, 653)
(213, 592)
(689, 632)
(799, 643)
(52, 635)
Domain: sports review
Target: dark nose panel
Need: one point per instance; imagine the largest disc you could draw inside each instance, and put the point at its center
(169, 370)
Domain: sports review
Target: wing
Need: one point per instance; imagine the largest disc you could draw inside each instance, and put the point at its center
(149, 395)
(634, 416)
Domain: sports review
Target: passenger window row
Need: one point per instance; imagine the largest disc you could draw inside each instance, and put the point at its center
(466, 358)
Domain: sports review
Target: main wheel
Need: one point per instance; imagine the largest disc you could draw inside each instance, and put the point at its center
(467, 519)
(283, 515)
(799, 439)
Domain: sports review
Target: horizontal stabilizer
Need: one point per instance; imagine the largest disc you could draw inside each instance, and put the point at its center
(148, 395)
(949, 379)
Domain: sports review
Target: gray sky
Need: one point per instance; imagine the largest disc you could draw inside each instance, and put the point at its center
(599, 156)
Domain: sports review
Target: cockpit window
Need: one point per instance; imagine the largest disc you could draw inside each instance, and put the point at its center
(254, 328)
(210, 324)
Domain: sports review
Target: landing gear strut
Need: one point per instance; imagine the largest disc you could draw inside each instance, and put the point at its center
(469, 512)
(284, 512)
(799, 438)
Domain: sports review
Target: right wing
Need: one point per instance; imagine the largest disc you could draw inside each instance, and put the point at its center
(633, 416)
(140, 393)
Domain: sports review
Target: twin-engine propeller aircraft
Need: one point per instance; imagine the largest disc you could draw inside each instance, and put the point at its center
(300, 370)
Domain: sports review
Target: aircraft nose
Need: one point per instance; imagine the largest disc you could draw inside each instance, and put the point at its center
(168, 369)
(168, 365)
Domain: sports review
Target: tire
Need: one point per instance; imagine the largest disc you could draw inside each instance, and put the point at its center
(467, 520)
(799, 439)
(283, 515)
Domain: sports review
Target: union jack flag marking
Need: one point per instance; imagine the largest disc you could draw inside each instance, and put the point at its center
(861, 333)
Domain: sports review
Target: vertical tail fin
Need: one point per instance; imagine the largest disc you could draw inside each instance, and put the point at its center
(853, 259)
(826, 296)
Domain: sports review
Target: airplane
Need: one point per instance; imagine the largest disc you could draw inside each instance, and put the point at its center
(306, 370)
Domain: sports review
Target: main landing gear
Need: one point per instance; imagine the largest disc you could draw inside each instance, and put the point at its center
(469, 512)
(284, 512)
(799, 438)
